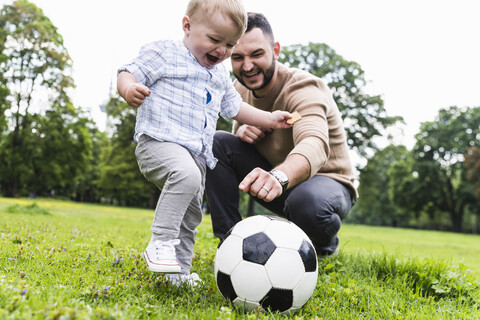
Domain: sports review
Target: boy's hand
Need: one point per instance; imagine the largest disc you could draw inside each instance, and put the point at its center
(136, 94)
(279, 119)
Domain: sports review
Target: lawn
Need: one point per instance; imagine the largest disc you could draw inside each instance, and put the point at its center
(451, 247)
(65, 260)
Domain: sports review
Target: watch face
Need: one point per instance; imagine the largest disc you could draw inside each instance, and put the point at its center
(280, 176)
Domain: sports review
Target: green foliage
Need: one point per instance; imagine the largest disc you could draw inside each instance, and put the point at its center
(4, 106)
(429, 186)
(47, 158)
(364, 115)
(374, 206)
(224, 124)
(68, 265)
(59, 158)
(33, 54)
(48, 143)
(120, 179)
(439, 162)
(86, 181)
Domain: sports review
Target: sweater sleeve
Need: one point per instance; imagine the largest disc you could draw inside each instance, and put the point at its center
(313, 100)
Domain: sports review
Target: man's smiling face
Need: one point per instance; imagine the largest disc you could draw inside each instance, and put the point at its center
(254, 60)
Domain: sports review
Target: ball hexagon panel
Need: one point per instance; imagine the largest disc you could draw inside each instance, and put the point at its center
(225, 285)
(308, 255)
(229, 254)
(304, 290)
(285, 234)
(285, 268)
(250, 226)
(278, 300)
(257, 248)
(250, 281)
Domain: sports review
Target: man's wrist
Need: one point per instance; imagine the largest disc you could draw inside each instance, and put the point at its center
(281, 177)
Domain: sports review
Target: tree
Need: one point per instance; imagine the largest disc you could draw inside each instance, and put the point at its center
(120, 177)
(375, 205)
(35, 67)
(364, 115)
(86, 182)
(62, 152)
(439, 162)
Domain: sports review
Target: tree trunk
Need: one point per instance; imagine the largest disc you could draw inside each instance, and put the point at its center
(456, 215)
(457, 219)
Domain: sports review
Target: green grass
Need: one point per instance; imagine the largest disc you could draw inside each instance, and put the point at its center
(451, 247)
(64, 260)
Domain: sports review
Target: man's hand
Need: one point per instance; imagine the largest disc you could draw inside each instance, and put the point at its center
(135, 94)
(251, 134)
(261, 184)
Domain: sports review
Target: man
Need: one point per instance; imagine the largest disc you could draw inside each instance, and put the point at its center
(303, 173)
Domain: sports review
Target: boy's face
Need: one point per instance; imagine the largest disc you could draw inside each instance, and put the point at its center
(210, 39)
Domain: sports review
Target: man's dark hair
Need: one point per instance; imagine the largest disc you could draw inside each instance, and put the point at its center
(258, 20)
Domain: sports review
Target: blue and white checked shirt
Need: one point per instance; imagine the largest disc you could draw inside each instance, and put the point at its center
(186, 97)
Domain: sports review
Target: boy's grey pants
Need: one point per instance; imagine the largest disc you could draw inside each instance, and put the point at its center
(181, 177)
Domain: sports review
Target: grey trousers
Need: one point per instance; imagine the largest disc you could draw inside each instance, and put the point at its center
(181, 177)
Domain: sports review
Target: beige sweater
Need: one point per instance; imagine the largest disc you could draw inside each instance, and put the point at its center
(319, 136)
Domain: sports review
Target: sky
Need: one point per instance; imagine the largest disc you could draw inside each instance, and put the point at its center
(419, 55)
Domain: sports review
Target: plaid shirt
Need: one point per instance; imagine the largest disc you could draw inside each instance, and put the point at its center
(186, 97)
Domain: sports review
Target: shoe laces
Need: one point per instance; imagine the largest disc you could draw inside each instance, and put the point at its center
(166, 248)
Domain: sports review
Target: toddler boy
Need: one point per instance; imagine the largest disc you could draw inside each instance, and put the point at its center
(180, 88)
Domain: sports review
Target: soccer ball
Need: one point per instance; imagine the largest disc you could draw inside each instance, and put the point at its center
(266, 262)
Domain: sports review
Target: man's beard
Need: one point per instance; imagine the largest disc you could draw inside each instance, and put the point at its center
(267, 77)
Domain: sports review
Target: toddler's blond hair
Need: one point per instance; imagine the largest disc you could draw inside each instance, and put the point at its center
(232, 8)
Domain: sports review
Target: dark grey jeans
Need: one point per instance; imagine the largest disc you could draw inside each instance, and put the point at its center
(317, 205)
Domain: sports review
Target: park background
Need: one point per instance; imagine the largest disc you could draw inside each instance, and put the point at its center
(405, 77)
(415, 146)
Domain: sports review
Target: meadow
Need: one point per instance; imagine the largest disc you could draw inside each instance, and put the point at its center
(66, 260)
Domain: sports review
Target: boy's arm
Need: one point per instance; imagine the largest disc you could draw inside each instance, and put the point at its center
(133, 92)
(256, 117)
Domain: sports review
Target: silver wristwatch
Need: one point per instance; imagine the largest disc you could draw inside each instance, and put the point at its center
(281, 177)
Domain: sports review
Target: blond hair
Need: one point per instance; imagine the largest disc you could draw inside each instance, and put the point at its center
(232, 8)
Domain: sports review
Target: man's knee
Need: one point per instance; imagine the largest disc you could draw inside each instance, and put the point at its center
(315, 215)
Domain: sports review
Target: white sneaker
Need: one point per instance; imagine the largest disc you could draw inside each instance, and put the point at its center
(192, 280)
(160, 256)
